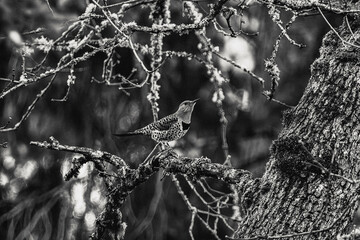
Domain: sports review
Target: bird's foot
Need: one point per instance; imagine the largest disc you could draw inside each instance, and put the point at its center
(164, 145)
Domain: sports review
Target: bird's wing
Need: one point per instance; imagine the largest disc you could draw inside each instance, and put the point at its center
(164, 124)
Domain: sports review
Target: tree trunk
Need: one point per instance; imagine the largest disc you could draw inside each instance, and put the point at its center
(309, 190)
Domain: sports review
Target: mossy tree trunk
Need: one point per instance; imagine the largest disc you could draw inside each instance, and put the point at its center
(309, 190)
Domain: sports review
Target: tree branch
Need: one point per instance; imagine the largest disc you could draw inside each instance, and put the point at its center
(89, 154)
(305, 5)
(125, 179)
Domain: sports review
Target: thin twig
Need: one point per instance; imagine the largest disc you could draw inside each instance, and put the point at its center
(30, 107)
(52, 12)
(337, 34)
(126, 36)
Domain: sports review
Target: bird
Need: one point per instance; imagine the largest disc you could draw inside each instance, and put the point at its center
(169, 128)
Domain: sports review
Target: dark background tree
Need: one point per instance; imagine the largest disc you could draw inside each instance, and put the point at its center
(81, 71)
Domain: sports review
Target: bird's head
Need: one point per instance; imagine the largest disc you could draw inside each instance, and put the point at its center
(185, 110)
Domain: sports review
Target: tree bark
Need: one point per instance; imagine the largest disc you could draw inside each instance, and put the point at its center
(309, 189)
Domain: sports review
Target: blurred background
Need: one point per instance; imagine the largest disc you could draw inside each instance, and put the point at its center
(36, 203)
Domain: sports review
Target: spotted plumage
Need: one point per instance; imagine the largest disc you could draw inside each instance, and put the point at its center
(169, 128)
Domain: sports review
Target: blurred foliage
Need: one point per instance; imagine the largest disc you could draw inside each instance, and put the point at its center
(31, 185)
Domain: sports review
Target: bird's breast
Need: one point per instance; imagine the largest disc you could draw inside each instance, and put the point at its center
(185, 126)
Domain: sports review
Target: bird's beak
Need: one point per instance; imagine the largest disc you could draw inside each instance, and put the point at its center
(194, 101)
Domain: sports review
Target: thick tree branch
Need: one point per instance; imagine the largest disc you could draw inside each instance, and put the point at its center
(125, 179)
(89, 154)
(306, 5)
(200, 167)
(167, 160)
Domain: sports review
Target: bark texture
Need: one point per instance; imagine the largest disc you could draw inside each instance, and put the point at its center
(307, 191)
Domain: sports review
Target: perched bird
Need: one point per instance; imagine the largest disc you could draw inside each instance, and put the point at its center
(169, 128)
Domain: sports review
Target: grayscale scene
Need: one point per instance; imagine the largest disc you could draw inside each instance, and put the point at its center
(179, 119)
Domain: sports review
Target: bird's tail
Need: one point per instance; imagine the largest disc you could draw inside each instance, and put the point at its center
(126, 134)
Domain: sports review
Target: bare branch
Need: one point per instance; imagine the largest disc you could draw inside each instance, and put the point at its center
(337, 34)
(310, 5)
(30, 108)
(126, 179)
(87, 152)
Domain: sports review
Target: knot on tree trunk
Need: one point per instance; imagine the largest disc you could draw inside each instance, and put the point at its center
(294, 160)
